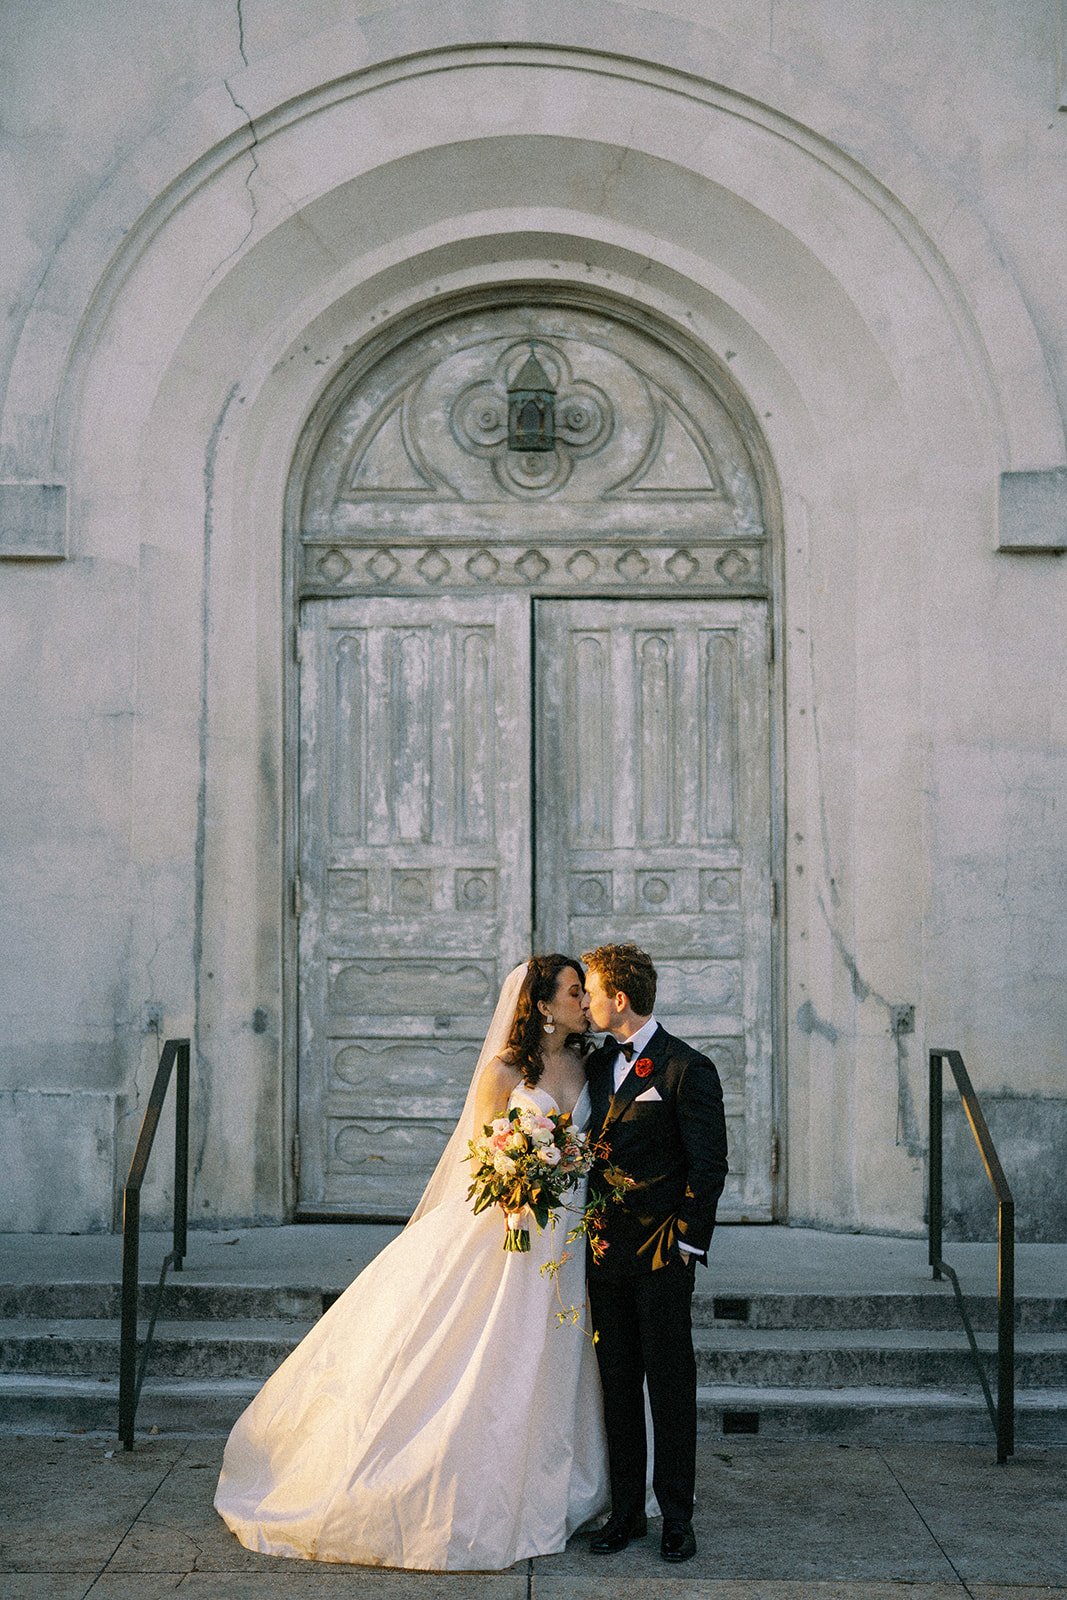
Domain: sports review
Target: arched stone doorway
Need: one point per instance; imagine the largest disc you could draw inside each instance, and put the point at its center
(532, 569)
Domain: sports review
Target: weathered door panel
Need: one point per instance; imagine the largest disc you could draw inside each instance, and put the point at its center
(653, 826)
(415, 878)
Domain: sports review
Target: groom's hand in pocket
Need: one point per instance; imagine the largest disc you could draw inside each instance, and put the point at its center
(686, 1257)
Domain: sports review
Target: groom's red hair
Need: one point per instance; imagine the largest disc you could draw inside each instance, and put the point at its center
(625, 969)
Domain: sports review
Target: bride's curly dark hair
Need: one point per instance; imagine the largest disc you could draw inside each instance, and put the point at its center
(523, 1049)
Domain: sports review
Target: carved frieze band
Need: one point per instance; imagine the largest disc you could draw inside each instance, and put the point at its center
(331, 569)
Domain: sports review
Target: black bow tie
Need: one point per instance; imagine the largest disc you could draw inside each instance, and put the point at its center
(627, 1050)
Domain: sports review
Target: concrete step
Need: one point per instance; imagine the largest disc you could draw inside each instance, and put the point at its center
(182, 1300)
(807, 1358)
(860, 1415)
(799, 1333)
(726, 1354)
(932, 1309)
(40, 1403)
(36, 1403)
(248, 1348)
(186, 1300)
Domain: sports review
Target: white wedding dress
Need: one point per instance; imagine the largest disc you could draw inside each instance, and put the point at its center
(437, 1417)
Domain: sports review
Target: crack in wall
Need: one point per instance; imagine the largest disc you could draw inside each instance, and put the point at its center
(614, 174)
(253, 135)
(860, 988)
(908, 1133)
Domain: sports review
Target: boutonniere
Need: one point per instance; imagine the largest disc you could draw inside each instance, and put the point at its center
(643, 1066)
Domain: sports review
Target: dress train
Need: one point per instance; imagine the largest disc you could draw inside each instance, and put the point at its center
(437, 1417)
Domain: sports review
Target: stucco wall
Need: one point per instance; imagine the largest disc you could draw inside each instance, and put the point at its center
(857, 207)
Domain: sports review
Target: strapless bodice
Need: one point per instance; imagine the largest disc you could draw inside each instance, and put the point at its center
(540, 1100)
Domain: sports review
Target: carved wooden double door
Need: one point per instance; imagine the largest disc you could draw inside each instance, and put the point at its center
(486, 775)
(533, 708)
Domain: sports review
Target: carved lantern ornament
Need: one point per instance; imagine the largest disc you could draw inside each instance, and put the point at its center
(531, 408)
(529, 416)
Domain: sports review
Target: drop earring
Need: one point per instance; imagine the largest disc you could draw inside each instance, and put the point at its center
(549, 1026)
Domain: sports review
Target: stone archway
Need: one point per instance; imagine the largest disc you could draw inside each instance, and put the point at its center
(489, 617)
(182, 335)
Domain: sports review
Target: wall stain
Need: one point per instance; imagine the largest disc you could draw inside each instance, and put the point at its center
(199, 1110)
(824, 822)
(908, 1132)
(809, 1021)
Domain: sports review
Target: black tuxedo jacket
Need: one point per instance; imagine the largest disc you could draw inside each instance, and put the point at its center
(673, 1146)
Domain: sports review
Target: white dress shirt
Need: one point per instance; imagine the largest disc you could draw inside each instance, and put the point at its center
(639, 1039)
(623, 1068)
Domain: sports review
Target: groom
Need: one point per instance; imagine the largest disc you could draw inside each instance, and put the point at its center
(658, 1105)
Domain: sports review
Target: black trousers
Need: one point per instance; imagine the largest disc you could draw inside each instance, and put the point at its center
(644, 1331)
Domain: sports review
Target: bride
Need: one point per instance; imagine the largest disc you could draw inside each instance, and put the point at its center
(438, 1416)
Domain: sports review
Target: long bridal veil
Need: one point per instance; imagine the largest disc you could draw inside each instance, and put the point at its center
(408, 1428)
(451, 1176)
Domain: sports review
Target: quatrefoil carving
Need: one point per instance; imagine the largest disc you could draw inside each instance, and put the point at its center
(585, 421)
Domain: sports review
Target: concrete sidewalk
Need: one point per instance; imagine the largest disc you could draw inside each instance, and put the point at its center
(774, 1522)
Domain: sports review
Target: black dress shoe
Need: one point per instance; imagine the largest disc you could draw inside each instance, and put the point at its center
(616, 1534)
(679, 1542)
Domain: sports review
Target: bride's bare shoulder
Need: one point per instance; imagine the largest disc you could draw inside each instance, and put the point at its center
(496, 1084)
(502, 1073)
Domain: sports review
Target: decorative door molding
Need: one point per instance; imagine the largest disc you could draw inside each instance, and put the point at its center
(418, 483)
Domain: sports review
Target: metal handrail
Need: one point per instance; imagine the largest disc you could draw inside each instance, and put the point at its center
(131, 1375)
(1002, 1414)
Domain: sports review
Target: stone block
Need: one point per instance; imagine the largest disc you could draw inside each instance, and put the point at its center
(1033, 512)
(33, 521)
(1030, 1133)
(58, 1161)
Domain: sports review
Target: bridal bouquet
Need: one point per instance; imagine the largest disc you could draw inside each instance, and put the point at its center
(525, 1163)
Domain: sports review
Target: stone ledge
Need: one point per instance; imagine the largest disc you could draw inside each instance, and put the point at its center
(33, 521)
(1033, 512)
